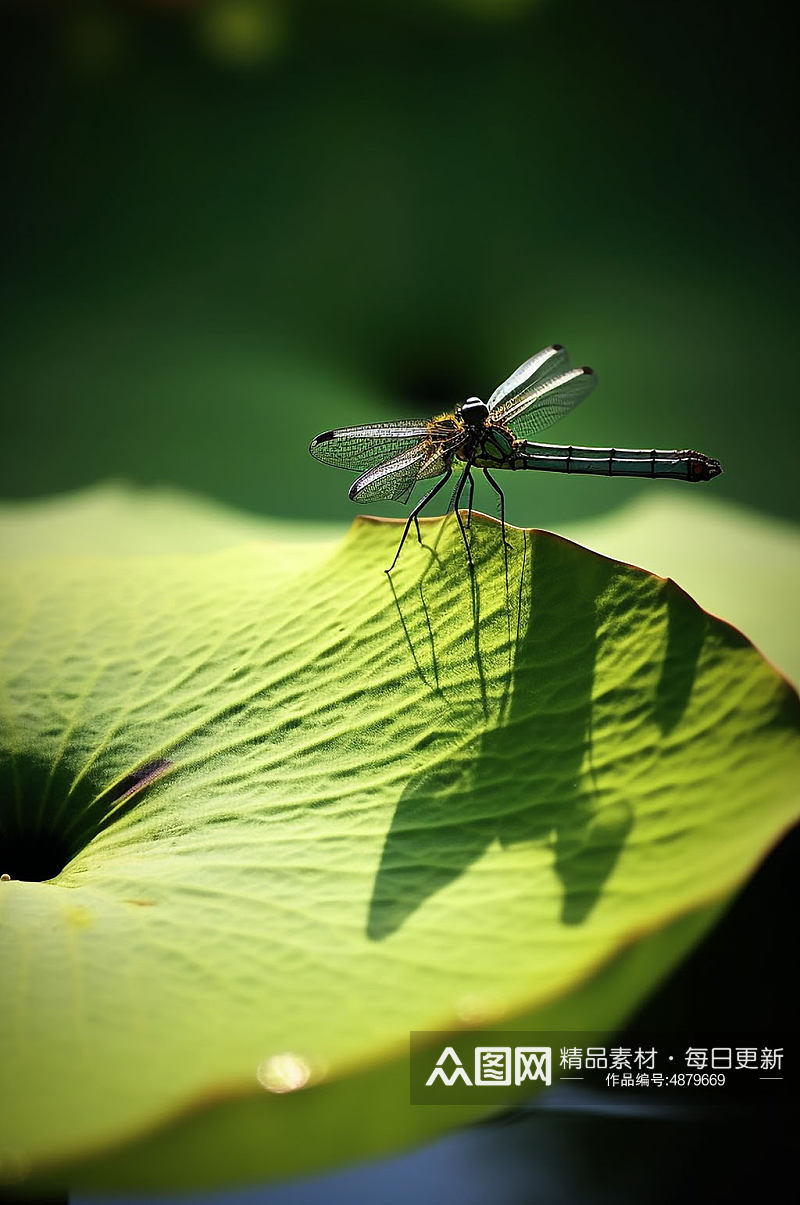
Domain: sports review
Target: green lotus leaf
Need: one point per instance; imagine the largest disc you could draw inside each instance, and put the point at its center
(737, 563)
(266, 811)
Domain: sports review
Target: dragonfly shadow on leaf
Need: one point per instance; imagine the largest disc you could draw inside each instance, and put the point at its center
(687, 625)
(424, 598)
(518, 775)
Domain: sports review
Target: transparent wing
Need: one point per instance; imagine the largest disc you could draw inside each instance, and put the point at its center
(553, 361)
(360, 448)
(440, 457)
(394, 480)
(550, 401)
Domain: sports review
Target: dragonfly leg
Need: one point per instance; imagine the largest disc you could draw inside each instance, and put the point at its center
(456, 497)
(498, 491)
(412, 518)
(471, 495)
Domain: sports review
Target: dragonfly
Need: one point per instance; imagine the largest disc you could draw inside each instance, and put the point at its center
(393, 457)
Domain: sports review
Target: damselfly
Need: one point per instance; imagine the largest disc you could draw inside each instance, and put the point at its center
(392, 457)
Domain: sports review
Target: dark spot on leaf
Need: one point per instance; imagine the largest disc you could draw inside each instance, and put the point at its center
(115, 802)
(137, 781)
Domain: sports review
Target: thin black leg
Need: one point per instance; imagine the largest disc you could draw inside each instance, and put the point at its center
(506, 544)
(498, 490)
(456, 498)
(412, 518)
(471, 495)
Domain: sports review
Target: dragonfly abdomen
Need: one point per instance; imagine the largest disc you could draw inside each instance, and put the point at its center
(616, 462)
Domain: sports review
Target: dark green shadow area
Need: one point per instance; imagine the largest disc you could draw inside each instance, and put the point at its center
(687, 625)
(446, 819)
(47, 818)
(35, 842)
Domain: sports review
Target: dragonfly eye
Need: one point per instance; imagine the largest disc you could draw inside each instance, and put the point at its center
(474, 412)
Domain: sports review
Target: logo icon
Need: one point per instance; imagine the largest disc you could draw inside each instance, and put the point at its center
(440, 1073)
(494, 1066)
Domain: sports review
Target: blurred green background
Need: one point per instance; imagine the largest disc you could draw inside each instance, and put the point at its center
(228, 226)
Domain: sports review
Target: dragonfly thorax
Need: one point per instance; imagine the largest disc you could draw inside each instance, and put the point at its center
(474, 412)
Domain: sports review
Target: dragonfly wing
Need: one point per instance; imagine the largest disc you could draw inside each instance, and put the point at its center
(551, 362)
(395, 480)
(440, 456)
(360, 448)
(392, 481)
(536, 410)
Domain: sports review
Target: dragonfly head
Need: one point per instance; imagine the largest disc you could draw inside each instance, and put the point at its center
(474, 412)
